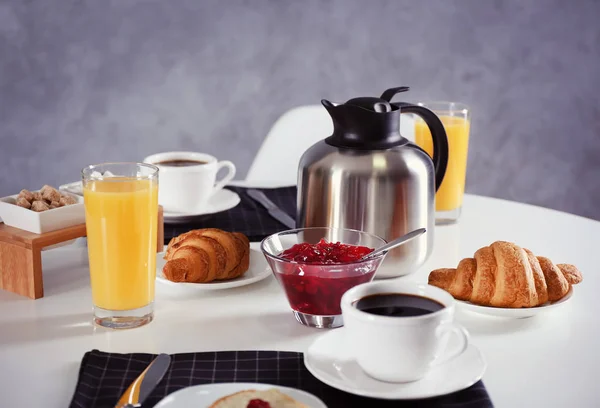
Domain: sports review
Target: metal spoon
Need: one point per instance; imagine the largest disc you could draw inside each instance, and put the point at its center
(393, 244)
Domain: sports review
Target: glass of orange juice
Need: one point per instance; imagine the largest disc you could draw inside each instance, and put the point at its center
(456, 118)
(121, 210)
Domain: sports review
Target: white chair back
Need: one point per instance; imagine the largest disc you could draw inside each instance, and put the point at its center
(291, 135)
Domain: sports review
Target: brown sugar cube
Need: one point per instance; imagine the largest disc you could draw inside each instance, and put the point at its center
(40, 206)
(22, 202)
(54, 204)
(44, 188)
(26, 195)
(67, 200)
(50, 194)
(37, 196)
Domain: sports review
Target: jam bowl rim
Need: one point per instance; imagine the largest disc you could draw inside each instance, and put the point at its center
(296, 230)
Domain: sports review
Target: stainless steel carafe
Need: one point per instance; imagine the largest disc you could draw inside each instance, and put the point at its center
(366, 176)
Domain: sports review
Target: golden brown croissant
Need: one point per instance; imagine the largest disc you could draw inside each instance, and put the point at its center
(205, 255)
(506, 275)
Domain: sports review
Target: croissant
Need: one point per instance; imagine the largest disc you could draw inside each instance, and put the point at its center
(206, 255)
(506, 275)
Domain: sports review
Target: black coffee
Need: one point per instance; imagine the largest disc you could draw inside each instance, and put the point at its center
(181, 163)
(398, 305)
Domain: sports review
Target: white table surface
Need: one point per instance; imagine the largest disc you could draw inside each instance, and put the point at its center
(549, 360)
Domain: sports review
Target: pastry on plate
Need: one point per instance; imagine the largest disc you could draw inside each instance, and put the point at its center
(270, 398)
(206, 255)
(506, 275)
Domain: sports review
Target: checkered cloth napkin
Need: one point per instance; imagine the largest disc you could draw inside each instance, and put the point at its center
(248, 217)
(103, 377)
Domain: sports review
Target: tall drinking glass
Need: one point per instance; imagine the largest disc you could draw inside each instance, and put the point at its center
(456, 118)
(121, 210)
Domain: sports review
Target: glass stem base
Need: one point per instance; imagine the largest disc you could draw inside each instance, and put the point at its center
(447, 217)
(123, 319)
(318, 321)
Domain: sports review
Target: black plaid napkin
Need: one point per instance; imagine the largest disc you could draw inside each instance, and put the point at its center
(103, 377)
(248, 217)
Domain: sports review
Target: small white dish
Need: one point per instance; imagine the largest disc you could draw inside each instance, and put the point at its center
(329, 359)
(258, 270)
(222, 200)
(41, 222)
(206, 394)
(76, 187)
(520, 313)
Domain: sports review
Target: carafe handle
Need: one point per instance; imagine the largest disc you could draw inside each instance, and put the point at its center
(438, 133)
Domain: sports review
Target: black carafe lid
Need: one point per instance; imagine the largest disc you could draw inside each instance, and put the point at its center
(366, 123)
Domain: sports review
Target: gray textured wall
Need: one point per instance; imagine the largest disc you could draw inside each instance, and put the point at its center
(89, 81)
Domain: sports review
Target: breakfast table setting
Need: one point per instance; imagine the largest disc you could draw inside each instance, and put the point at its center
(373, 280)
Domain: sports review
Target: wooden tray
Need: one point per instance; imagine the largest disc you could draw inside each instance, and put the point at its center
(21, 255)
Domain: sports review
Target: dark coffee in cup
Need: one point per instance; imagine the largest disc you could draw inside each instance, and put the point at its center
(398, 305)
(181, 163)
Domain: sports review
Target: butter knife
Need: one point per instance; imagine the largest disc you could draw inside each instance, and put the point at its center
(274, 211)
(143, 386)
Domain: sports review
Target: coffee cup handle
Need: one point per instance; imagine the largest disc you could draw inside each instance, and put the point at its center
(463, 337)
(228, 177)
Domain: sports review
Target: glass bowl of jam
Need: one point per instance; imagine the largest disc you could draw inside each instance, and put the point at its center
(316, 266)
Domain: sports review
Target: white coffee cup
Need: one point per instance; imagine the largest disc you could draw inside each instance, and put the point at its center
(400, 349)
(187, 189)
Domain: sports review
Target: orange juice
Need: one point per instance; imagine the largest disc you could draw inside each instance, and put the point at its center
(450, 194)
(121, 220)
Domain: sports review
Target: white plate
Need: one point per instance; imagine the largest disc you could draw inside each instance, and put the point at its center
(258, 270)
(331, 361)
(514, 313)
(222, 200)
(202, 396)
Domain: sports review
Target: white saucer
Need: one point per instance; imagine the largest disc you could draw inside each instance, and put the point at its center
(514, 313)
(258, 270)
(222, 200)
(204, 395)
(330, 361)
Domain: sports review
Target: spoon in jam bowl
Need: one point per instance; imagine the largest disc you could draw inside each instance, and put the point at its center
(394, 243)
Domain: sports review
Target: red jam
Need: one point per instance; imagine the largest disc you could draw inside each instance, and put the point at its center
(258, 403)
(321, 274)
(325, 253)
(316, 295)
